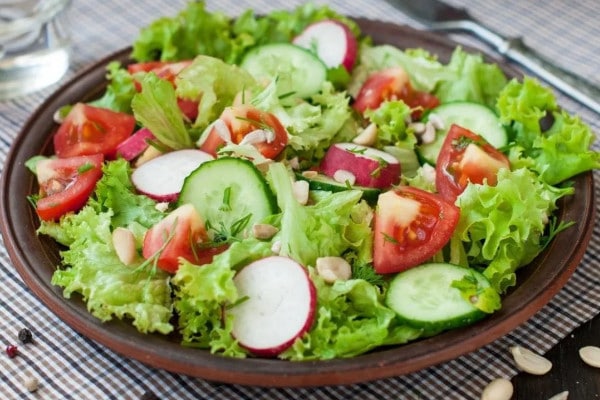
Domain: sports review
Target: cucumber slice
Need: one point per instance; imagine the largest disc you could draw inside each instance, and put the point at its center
(298, 70)
(226, 192)
(423, 297)
(323, 182)
(473, 116)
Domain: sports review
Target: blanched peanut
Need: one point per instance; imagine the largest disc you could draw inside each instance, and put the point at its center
(530, 362)
(309, 174)
(276, 247)
(428, 135)
(124, 243)
(332, 269)
(343, 176)
(498, 389)
(150, 153)
(590, 355)
(162, 207)
(436, 121)
(301, 191)
(560, 396)
(367, 137)
(264, 231)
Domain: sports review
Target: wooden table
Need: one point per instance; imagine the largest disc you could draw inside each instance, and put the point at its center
(568, 372)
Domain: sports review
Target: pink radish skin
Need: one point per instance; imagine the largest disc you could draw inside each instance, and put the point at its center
(279, 307)
(162, 177)
(332, 41)
(135, 144)
(371, 167)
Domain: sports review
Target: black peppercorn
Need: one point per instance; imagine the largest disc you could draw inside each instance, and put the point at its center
(25, 336)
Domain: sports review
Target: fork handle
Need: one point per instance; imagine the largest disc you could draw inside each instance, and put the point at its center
(515, 50)
(574, 86)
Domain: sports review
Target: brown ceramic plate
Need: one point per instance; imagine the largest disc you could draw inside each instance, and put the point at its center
(36, 258)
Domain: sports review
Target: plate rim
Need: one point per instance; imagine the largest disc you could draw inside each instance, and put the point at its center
(265, 372)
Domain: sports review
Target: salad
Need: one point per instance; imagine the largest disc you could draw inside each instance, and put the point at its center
(280, 186)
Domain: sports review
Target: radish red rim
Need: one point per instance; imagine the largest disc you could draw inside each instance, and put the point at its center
(35, 259)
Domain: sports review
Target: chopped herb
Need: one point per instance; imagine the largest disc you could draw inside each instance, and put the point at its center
(389, 238)
(357, 150)
(226, 204)
(85, 167)
(238, 302)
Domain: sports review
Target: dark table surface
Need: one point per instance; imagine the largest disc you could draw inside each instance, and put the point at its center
(568, 373)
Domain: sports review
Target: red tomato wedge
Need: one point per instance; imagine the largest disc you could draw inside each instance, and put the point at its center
(91, 130)
(392, 84)
(466, 157)
(66, 184)
(181, 234)
(411, 225)
(239, 122)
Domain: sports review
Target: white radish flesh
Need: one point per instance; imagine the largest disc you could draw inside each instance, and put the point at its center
(371, 167)
(279, 305)
(135, 145)
(332, 41)
(162, 177)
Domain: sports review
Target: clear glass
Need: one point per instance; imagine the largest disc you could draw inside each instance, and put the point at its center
(34, 45)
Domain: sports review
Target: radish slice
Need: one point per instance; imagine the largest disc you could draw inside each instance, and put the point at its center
(162, 177)
(332, 41)
(370, 167)
(135, 144)
(279, 307)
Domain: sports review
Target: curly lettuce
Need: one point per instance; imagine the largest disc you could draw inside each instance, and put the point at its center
(91, 267)
(466, 77)
(339, 222)
(556, 154)
(503, 226)
(195, 31)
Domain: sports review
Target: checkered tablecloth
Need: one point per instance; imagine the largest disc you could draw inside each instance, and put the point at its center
(69, 366)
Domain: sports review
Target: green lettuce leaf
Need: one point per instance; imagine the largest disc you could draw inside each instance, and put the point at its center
(91, 266)
(475, 80)
(197, 31)
(120, 89)
(390, 119)
(336, 224)
(465, 77)
(156, 108)
(109, 288)
(503, 226)
(556, 154)
(193, 31)
(115, 192)
(214, 84)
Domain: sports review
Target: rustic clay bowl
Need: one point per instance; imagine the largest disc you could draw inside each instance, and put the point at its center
(36, 257)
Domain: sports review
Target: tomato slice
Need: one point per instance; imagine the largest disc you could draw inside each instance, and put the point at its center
(66, 184)
(181, 234)
(466, 157)
(91, 130)
(411, 225)
(392, 84)
(242, 120)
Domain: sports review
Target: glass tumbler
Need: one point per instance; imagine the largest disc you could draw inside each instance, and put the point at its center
(34, 45)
